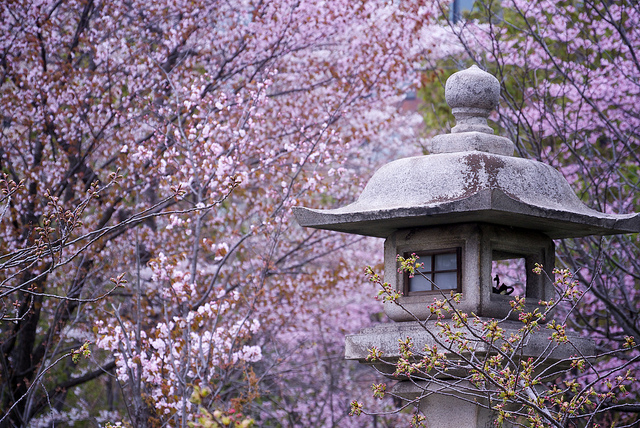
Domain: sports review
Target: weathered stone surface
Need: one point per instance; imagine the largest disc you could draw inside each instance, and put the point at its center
(472, 88)
(468, 141)
(466, 187)
(445, 405)
(385, 338)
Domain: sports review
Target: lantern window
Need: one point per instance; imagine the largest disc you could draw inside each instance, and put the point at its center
(440, 270)
(509, 276)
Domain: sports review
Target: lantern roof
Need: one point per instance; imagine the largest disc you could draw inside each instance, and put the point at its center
(471, 175)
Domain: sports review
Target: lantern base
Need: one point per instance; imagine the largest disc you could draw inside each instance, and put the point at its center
(445, 406)
(552, 357)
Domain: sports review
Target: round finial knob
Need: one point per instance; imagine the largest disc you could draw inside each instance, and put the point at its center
(472, 94)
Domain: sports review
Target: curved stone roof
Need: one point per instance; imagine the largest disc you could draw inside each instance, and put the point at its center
(465, 187)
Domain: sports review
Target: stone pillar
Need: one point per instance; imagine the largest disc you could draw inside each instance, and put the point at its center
(446, 407)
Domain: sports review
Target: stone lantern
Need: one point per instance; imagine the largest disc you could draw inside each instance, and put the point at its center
(465, 209)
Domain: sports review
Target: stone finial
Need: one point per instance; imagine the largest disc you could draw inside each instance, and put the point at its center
(472, 94)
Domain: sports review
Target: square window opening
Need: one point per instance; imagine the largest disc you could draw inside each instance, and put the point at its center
(440, 272)
(509, 274)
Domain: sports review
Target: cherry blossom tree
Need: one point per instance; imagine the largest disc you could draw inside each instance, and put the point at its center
(151, 151)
